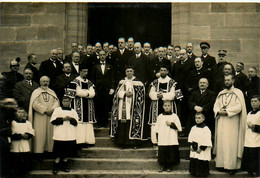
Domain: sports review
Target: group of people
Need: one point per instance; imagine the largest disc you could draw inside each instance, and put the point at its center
(151, 94)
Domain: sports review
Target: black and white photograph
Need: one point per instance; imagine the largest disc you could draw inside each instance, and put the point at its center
(129, 89)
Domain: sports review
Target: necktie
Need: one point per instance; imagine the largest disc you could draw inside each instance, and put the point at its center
(29, 82)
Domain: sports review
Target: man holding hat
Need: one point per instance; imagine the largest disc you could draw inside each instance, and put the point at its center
(209, 61)
(12, 77)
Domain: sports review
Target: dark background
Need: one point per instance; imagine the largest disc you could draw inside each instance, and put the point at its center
(145, 22)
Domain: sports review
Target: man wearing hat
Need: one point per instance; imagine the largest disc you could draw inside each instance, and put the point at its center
(12, 77)
(127, 120)
(209, 61)
(217, 70)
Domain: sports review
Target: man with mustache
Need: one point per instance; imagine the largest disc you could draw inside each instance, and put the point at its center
(230, 115)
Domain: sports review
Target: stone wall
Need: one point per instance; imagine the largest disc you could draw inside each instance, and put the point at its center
(231, 26)
(30, 28)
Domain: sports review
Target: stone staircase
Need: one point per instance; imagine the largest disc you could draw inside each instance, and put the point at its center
(105, 159)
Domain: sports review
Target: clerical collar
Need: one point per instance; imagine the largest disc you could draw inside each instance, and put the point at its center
(65, 108)
(67, 75)
(254, 111)
(164, 80)
(167, 113)
(201, 125)
(199, 68)
(205, 55)
(20, 121)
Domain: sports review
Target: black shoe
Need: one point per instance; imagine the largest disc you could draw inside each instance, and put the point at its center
(65, 166)
(55, 169)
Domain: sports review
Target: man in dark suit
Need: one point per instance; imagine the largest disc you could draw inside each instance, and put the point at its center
(130, 44)
(12, 77)
(191, 84)
(60, 56)
(74, 48)
(202, 100)
(75, 63)
(63, 80)
(190, 54)
(140, 64)
(209, 61)
(158, 62)
(148, 51)
(180, 73)
(253, 86)
(103, 79)
(51, 68)
(23, 90)
(240, 76)
(119, 60)
(32, 61)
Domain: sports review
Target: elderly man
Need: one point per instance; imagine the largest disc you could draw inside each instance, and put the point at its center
(189, 48)
(148, 51)
(23, 90)
(60, 55)
(230, 114)
(130, 44)
(75, 63)
(191, 84)
(140, 63)
(51, 68)
(128, 110)
(32, 61)
(201, 100)
(82, 91)
(42, 104)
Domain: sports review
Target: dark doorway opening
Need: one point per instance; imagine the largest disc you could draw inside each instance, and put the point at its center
(145, 22)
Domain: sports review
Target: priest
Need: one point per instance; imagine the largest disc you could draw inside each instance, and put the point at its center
(127, 120)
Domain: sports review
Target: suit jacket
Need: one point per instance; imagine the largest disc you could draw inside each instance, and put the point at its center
(68, 58)
(22, 93)
(62, 82)
(181, 72)
(242, 78)
(192, 56)
(36, 75)
(103, 82)
(73, 69)
(156, 64)
(209, 61)
(47, 68)
(119, 63)
(195, 76)
(11, 78)
(205, 100)
(141, 67)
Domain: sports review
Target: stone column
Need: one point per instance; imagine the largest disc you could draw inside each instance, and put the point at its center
(76, 24)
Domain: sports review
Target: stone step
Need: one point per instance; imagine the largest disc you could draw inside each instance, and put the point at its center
(101, 132)
(108, 142)
(113, 164)
(125, 174)
(108, 152)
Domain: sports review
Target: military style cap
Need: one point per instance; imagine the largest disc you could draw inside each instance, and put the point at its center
(222, 52)
(204, 44)
(15, 62)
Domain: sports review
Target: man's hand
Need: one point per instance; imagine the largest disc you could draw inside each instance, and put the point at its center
(111, 91)
(191, 148)
(222, 112)
(159, 94)
(25, 136)
(250, 125)
(67, 118)
(49, 112)
(168, 123)
(198, 109)
(199, 150)
(128, 93)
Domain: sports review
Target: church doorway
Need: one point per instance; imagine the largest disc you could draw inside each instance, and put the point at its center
(145, 22)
